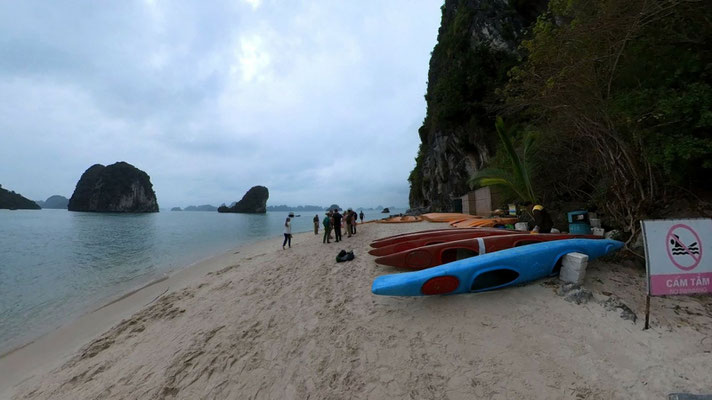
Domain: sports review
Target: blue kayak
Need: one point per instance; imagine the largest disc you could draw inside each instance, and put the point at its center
(493, 270)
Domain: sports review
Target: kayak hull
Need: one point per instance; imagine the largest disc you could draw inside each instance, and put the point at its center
(425, 234)
(434, 239)
(432, 255)
(491, 271)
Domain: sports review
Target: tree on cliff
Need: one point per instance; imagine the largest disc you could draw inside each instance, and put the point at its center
(516, 178)
(15, 201)
(622, 93)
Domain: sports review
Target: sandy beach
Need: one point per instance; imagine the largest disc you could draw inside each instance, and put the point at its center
(260, 322)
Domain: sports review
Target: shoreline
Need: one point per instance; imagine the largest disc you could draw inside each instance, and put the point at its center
(273, 323)
(106, 301)
(25, 360)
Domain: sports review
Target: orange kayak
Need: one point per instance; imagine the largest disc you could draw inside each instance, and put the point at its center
(422, 234)
(482, 222)
(399, 220)
(446, 217)
(442, 253)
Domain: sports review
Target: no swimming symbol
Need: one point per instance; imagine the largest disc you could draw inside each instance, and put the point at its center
(684, 247)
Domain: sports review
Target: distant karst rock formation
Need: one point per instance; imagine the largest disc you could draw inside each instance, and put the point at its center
(204, 207)
(254, 202)
(15, 201)
(119, 187)
(56, 201)
(176, 209)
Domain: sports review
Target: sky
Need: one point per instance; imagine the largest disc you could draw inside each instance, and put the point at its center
(320, 101)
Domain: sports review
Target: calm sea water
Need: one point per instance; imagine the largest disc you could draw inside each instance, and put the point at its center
(55, 264)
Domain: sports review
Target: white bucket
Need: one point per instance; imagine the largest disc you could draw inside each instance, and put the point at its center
(521, 226)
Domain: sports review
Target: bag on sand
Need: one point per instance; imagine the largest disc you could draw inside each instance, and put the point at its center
(345, 256)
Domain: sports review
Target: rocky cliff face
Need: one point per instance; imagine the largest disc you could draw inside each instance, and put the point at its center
(119, 187)
(15, 201)
(253, 202)
(477, 45)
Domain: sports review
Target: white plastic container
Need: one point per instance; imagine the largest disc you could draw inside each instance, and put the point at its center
(595, 222)
(598, 231)
(521, 226)
(573, 268)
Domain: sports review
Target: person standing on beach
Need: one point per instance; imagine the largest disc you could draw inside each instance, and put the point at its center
(316, 224)
(327, 228)
(337, 224)
(331, 224)
(361, 215)
(354, 221)
(287, 233)
(349, 222)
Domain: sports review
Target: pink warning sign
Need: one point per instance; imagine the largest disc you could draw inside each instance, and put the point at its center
(676, 256)
(684, 256)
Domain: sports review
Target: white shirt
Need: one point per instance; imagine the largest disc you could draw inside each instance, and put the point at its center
(288, 227)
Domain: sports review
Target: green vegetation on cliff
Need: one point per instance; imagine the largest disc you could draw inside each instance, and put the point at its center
(619, 94)
(622, 95)
(476, 47)
(15, 201)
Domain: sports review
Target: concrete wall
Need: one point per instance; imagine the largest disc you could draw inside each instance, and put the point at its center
(482, 201)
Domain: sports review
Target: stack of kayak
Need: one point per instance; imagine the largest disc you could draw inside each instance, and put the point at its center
(447, 217)
(449, 261)
(482, 222)
(400, 219)
(459, 220)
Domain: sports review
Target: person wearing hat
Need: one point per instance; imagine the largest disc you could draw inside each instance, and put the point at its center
(542, 220)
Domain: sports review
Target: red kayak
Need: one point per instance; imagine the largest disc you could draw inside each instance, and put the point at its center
(435, 239)
(424, 234)
(442, 253)
(413, 233)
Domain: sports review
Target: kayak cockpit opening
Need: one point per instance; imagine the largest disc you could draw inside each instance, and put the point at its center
(493, 279)
(450, 255)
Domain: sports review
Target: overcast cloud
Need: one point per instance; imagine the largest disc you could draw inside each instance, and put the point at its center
(320, 101)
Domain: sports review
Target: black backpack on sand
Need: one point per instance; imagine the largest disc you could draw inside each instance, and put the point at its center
(345, 256)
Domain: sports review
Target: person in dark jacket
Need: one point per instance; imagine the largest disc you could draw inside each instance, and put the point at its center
(316, 224)
(349, 222)
(361, 216)
(337, 225)
(542, 220)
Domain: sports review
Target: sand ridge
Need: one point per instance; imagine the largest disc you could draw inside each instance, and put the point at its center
(294, 324)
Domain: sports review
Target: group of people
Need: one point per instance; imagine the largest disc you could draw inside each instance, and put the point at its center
(333, 221)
